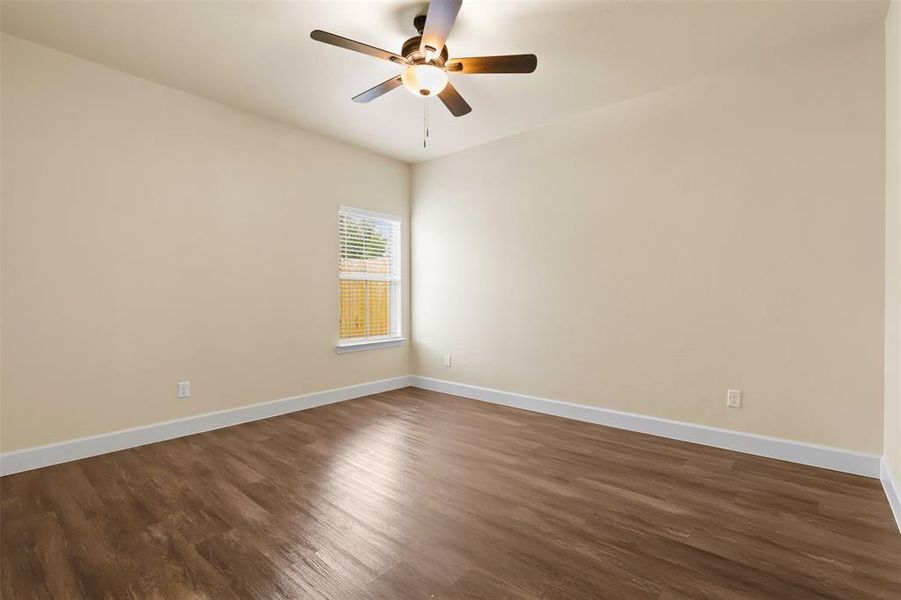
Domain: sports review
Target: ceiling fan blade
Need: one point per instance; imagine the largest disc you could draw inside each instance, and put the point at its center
(438, 23)
(382, 88)
(454, 101)
(513, 63)
(343, 42)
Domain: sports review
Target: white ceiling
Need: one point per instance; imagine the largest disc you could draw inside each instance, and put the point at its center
(258, 56)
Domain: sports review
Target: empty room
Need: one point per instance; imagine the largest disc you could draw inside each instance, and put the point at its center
(392, 300)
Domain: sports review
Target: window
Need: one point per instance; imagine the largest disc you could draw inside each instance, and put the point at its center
(369, 280)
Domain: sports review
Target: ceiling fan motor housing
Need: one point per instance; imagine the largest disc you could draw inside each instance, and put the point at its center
(410, 51)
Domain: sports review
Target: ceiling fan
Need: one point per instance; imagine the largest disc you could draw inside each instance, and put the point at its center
(425, 59)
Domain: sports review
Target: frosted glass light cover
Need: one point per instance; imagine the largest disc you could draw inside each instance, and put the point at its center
(424, 80)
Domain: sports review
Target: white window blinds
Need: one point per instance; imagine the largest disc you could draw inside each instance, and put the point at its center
(369, 275)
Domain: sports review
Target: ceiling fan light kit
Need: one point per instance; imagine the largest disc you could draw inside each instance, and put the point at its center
(424, 79)
(425, 59)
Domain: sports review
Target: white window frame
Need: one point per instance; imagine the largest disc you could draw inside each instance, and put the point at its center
(395, 338)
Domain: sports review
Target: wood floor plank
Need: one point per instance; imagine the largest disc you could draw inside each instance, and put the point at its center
(416, 494)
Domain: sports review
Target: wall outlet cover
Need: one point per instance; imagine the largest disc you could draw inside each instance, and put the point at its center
(733, 398)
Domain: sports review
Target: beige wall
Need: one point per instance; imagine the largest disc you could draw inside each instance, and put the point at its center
(893, 240)
(727, 232)
(723, 233)
(151, 236)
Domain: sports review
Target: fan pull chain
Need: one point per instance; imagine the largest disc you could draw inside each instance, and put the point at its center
(425, 122)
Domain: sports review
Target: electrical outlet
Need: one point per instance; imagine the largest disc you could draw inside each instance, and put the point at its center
(183, 389)
(448, 360)
(733, 398)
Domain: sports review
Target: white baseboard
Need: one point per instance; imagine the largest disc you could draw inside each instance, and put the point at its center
(51, 454)
(809, 454)
(836, 459)
(892, 491)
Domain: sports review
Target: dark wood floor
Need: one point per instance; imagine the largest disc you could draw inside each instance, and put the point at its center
(413, 494)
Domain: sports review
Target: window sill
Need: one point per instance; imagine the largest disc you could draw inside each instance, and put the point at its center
(345, 347)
